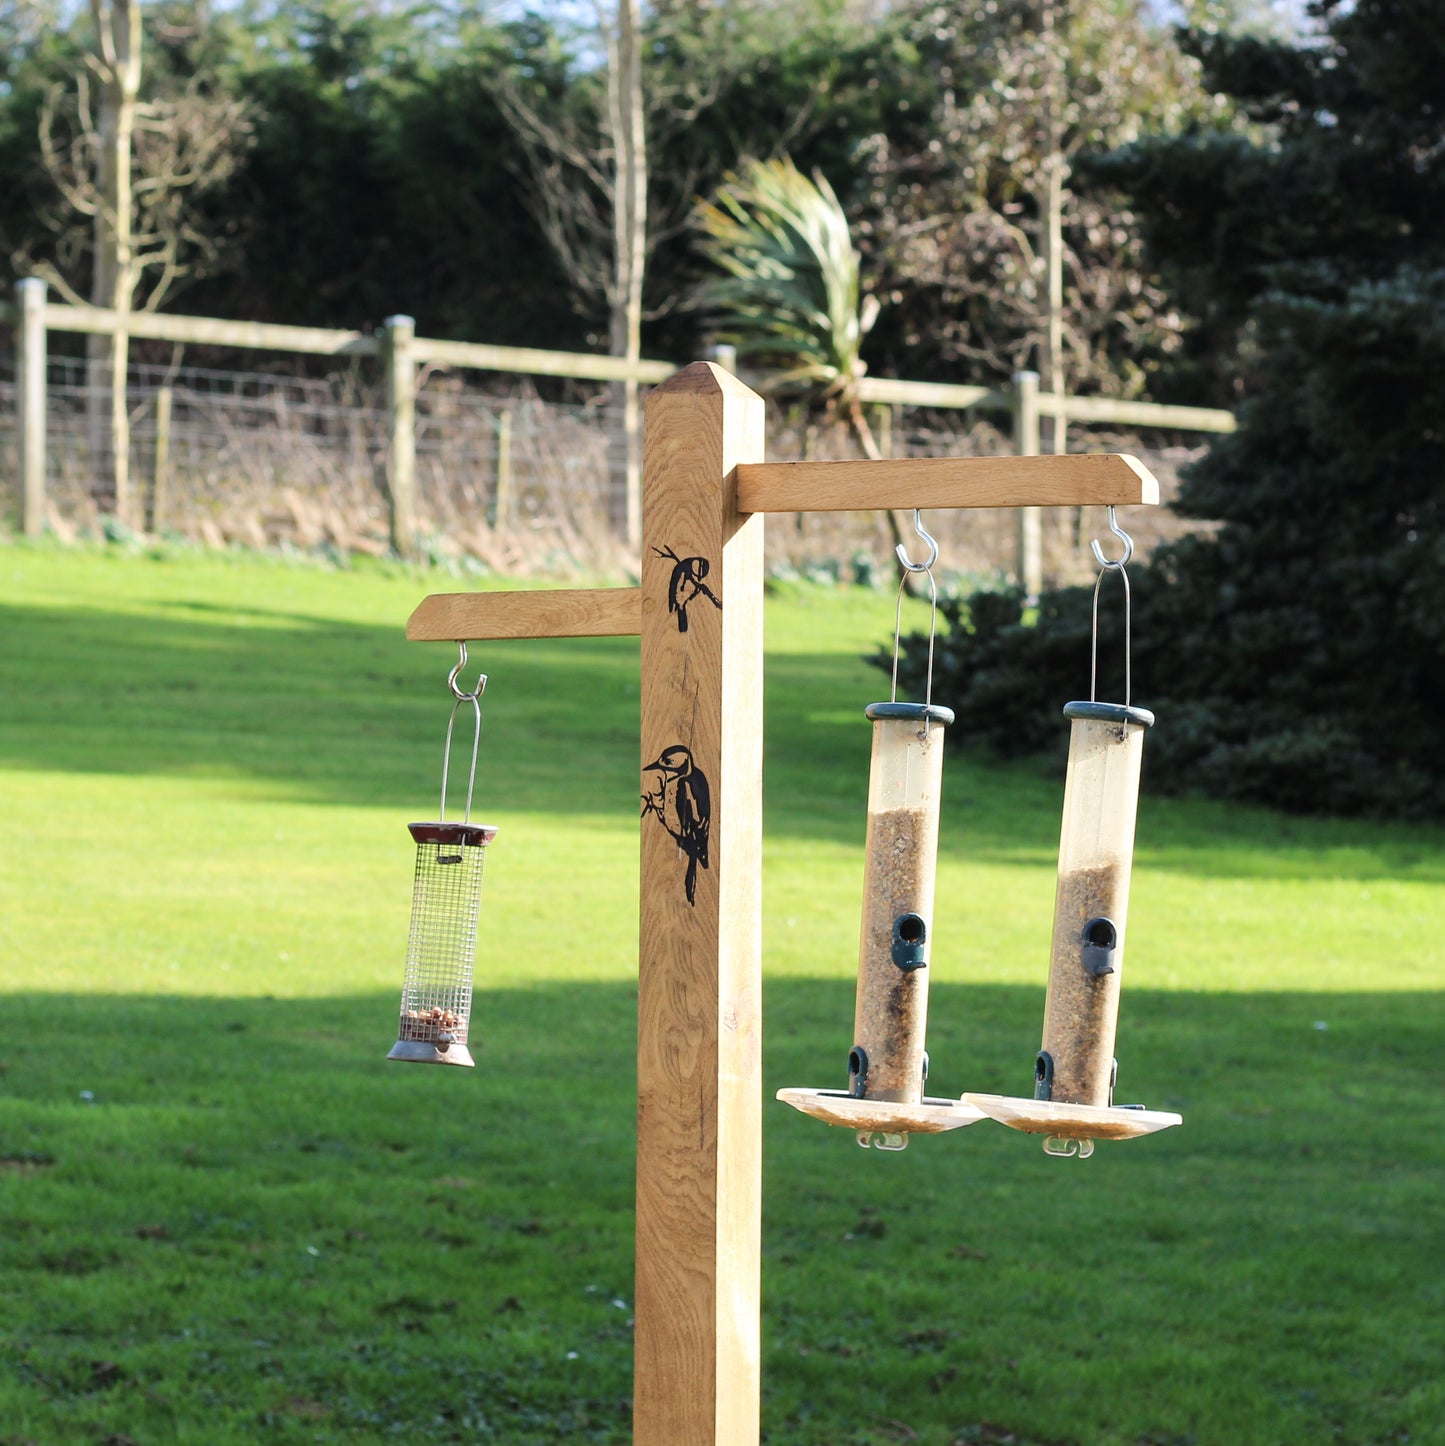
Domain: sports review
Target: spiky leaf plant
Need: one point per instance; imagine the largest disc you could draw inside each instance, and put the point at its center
(788, 297)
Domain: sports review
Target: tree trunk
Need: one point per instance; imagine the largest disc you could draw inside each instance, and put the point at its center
(859, 422)
(626, 117)
(1055, 170)
(118, 67)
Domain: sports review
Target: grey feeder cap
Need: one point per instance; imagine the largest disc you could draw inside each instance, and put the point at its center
(909, 712)
(1109, 713)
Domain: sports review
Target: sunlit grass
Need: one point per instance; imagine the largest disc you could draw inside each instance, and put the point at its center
(223, 1218)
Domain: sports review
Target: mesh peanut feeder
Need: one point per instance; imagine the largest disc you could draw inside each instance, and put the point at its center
(888, 1064)
(436, 994)
(1075, 1069)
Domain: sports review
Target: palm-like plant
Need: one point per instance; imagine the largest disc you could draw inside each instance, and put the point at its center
(788, 296)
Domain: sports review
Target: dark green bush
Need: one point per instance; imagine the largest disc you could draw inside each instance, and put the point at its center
(1296, 655)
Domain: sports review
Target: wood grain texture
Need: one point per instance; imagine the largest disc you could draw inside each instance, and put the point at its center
(595, 612)
(1093, 480)
(699, 1101)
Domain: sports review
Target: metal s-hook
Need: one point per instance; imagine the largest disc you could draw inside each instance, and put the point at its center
(923, 533)
(457, 693)
(1114, 564)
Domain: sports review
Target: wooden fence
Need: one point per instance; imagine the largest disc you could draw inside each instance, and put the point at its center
(403, 354)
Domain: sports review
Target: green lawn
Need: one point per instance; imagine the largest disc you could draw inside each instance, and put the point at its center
(225, 1219)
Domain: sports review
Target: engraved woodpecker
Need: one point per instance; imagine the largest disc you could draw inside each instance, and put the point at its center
(686, 584)
(680, 801)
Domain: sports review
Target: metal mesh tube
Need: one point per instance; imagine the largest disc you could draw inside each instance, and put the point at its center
(436, 995)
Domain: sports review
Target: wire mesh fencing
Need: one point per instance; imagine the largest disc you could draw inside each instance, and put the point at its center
(505, 480)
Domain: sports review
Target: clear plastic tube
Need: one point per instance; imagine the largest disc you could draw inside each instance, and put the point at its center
(1091, 906)
(891, 1016)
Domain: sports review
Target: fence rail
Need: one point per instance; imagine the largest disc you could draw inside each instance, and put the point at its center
(394, 450)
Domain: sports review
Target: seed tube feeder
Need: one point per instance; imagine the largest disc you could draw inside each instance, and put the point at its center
(1075, 1069)
(888, 1064)
(436, 993)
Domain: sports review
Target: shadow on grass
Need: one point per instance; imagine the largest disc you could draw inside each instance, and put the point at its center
(227, 1218)
(324, 710)
(330, 711)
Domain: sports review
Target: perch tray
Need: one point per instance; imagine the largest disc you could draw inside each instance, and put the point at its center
(884, 1117)
(1071, 1122)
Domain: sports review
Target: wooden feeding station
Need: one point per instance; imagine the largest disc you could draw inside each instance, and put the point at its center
(699, 613)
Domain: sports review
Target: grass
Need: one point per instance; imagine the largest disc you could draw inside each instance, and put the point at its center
(224, 1219)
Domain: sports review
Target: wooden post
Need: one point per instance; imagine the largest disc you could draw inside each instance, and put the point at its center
(30, 399)
(502, 510)
(160, 476)
(400, 361)
(1026, 444)
(883, 429)
(699, 1107)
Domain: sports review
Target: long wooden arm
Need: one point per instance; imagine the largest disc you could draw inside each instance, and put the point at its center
(1099, 479)
(590, 612)
(929, 482)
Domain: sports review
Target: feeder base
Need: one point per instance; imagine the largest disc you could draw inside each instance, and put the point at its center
(421, 1051)
(1071, 1122)
(882, 1117)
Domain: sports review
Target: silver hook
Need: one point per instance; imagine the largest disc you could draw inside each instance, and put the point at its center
(452, 679)
(932, 547)
(1105, 567)
(447, 753)
(926, 568)
(1118, 562)
(932, 625)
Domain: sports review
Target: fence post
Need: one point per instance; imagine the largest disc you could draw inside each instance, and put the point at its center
(502, 503)
(160, 474)
(30, 399)
(1026, 444)
(883, 428)
(400, 361)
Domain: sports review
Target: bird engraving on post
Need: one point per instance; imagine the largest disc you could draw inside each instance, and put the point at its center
(686, 584)
(679, 799)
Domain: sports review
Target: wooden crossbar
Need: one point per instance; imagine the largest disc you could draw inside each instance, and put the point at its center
(1098, 479)
(929, 482)
(588, 612)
